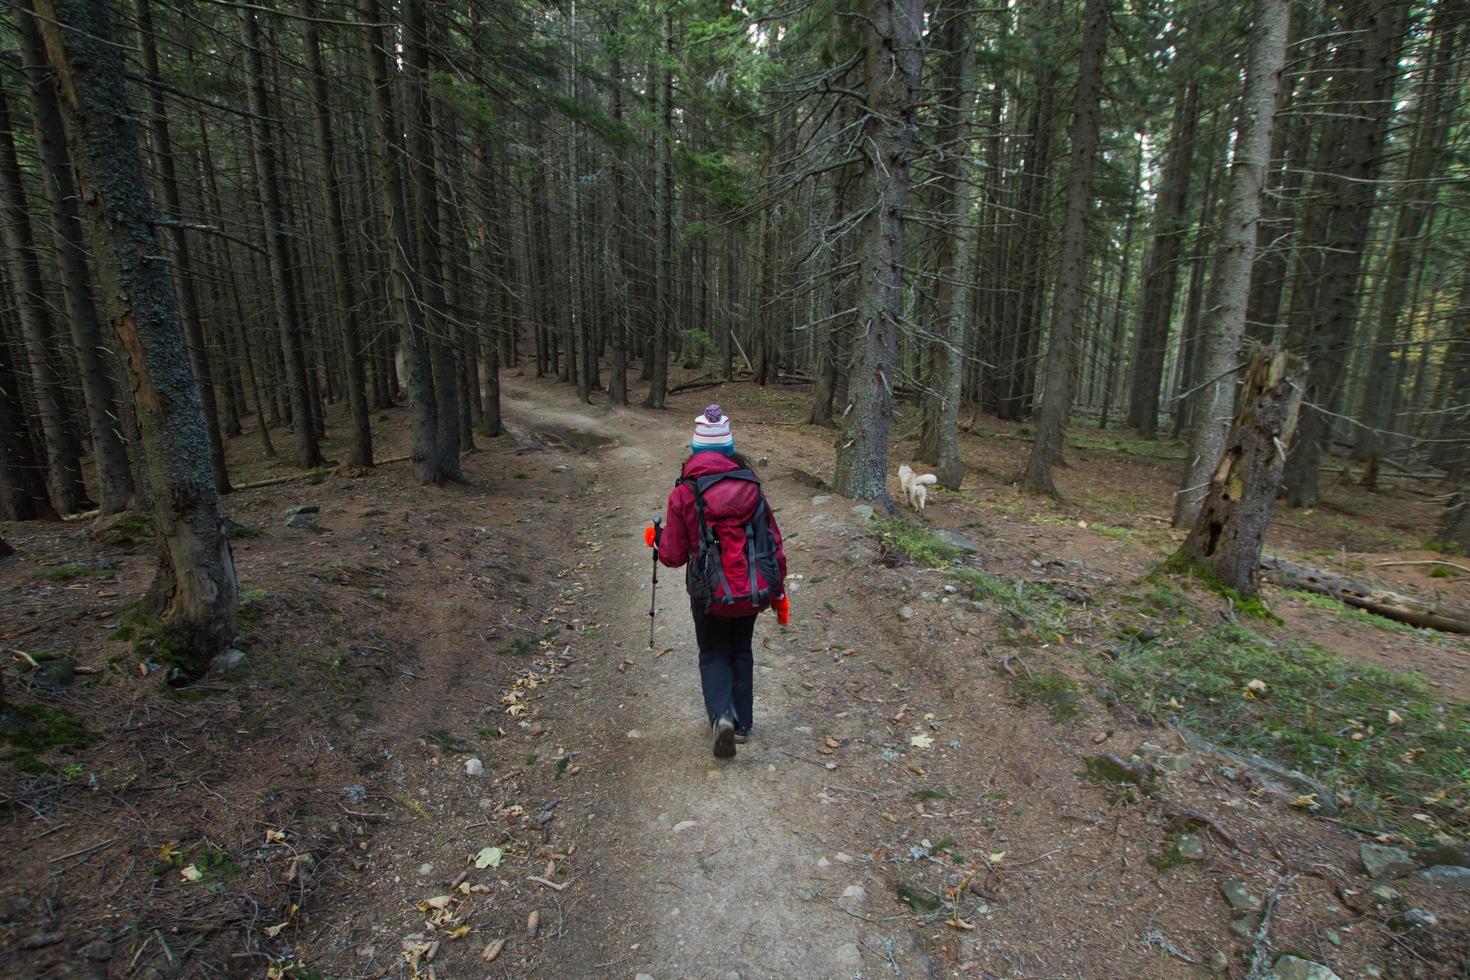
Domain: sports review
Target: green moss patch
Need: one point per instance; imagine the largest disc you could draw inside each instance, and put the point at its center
(1055, 690)
(1380, 739)
(70, 573)
(914, 542)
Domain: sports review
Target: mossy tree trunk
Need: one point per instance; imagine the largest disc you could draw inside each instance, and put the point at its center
(1231, 528)
(196, 577)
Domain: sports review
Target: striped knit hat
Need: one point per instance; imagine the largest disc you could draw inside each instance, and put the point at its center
(712, 432)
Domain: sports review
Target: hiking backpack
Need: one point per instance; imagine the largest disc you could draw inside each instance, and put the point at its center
(735, 570)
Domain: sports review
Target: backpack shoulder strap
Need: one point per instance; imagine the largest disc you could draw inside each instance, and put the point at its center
(703, 483)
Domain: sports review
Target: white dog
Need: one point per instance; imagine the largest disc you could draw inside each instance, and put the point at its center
(916, 486)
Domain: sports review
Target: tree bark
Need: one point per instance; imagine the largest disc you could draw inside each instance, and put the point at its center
(197, 574)
(114, 476)
(23, 495)
(1401, 608)
(268, 186)
(417, 44)
(1230, 280)
(1231, 527)
(1056, 398)
(1329, 254)
(168, 183)
(360, 449)
(1416, 203)
(891, 62)
(387, 158)
(618, 249)
(663, 260)
(953, 304)
(63, 453)
(1161, 268)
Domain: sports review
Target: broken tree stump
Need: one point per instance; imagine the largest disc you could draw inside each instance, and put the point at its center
(1227, 537)
(1414, 610)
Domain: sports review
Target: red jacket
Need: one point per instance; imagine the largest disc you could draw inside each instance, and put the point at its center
(729, 505)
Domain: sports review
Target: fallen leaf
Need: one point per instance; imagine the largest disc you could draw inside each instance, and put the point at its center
(1305, 801)
(922, 741)
(996, 857)
(832, 743)
(493, 950)
(959, 923)
(899, 715)
(460, 931)
(1394, 718)
(1256, 685)
(192, 873)
(437, 902)
(489, 857)
(273, 836)
(274, 931)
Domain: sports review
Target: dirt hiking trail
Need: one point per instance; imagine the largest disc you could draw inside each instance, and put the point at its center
(450, 752)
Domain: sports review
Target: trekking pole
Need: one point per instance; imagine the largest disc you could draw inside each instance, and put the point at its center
(658, 527)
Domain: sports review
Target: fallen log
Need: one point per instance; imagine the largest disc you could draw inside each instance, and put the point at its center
(1414, 610)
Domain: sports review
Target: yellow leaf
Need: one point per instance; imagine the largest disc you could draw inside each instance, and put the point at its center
(274, 931)
(437, 902)
(922, 741)
(459, 932)
(273, 836)
(1305, 801)
(958, 923)
(996, 856)
(489, 857)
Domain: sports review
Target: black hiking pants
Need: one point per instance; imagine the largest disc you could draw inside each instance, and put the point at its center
(726, 665)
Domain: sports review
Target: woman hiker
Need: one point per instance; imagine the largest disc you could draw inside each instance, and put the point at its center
(718, 524)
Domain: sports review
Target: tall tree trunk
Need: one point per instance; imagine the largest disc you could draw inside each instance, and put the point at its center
(663, 234)
(1115, 345)
(1416, 202)
(1161, 268)
(197, 574)
(1230, 280)
(417, 44)
(891, 62)
(1056, 398)
(168, 183)
(953, 308)
(114, 477)
(360, 449)
(23, 495)
(63, 452)
(387, 158)
(268, 186)
(1329, 256)
(618, 250)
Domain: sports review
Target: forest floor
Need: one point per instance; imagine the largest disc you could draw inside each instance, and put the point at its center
(928, 790)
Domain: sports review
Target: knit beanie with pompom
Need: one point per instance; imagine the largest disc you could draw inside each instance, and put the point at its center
(712, 432)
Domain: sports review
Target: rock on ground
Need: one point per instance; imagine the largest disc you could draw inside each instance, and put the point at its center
(1291, 967)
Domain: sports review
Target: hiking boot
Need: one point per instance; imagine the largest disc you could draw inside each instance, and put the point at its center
(724, 730)
(742, 735)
